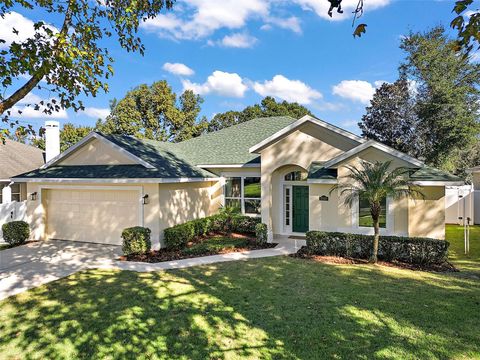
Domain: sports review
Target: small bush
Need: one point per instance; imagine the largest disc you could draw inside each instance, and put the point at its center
(261, 233)
(16, 232)
(202, 226)
(245, 224)
(136, 240)
(178, 236)
(217, 223)
(391, 248)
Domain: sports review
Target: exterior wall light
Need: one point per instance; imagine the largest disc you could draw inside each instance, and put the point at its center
(33, 196)
(145, 199)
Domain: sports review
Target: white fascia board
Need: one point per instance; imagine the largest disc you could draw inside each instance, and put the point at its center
(117, 181)
(438, 183)
(86, 139)
(231, 166)
(322, 181)
(377, 145)
(307, 118)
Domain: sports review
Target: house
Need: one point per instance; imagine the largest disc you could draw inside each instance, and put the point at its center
(278, 168)
(17, 158)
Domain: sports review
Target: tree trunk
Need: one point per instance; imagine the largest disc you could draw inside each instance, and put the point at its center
(375, 211)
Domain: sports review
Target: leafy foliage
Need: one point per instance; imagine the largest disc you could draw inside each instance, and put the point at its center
(261, 233)
(374, 182)
(153, 112)
(447, 94)
(70, 60)
(267, 107)
(136, 240)
(391, 118)
(16, 232)
(391, 248)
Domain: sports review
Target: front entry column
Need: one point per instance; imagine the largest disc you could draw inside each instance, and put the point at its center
(266, 180)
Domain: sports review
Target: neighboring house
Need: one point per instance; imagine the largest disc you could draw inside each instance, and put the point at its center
(17, 158)
(278, 168)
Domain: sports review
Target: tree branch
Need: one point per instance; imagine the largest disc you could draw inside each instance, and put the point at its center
(23, 91)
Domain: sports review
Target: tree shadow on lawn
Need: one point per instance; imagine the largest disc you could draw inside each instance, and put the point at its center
(265, 308)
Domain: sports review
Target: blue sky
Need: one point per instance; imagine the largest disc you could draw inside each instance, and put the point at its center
(235, 52)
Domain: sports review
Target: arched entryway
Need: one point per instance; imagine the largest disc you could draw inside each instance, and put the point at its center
(290, 200)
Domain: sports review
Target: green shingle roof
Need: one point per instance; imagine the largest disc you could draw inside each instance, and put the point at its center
(114, 172)
(230, 145)
(428, 173)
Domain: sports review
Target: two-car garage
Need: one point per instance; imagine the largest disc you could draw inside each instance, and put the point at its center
(91, 215)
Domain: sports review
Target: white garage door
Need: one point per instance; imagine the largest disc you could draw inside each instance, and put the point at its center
(91, 215)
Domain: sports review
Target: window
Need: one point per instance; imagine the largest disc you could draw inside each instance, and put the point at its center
(244, 193)
(287, 206)
(365, 219)
(16, 195)
(296, 176)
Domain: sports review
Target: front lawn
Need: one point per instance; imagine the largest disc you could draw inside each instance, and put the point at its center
(467, 263)
(282, 308)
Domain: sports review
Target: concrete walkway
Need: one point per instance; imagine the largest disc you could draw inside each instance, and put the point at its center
(285, 247)
(28, 266)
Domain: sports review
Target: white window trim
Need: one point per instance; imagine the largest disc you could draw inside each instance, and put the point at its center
(389, 230)
(242, 197)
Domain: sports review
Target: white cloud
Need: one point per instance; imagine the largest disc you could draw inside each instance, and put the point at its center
(208, 16)
(21, 24)
(286, 89)
(379, 83)
(238, 40)
(320, 7)
(291, 23)
(178, 69)
(220, 83)
(30, 112)
(96, 113)
(199, 19)
(30, 98)
(356, 90)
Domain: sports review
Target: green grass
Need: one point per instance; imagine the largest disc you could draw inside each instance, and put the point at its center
(470, 262)
(252, 190)
(274, 308)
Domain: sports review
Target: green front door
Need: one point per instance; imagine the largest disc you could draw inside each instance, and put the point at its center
(300, 209)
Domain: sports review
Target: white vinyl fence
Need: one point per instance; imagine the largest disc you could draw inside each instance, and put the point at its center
(460, 204)
(12, 211)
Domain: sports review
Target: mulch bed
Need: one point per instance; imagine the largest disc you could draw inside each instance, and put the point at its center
(171, 255)
(445, 267)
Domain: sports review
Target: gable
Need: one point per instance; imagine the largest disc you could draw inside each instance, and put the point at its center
(96, 152)
(299, 148)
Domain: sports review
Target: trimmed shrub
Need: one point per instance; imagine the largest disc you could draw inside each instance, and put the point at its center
(136, 240)
(201, 226)
(261, 233)
(245, 224)
(217, 223)
(16, 232)
(391, 248)
(178, 236)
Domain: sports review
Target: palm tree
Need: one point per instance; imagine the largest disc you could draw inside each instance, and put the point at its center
(374, 182)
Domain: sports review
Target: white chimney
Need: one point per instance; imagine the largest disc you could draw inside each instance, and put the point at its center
(52, 139)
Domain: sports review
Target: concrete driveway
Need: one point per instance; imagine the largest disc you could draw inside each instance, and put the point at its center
(37, 263)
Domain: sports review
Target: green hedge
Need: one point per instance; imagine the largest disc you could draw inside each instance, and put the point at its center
(178, 236)
(136, 240)
(261, 233)
(15, 232)
(391, 248)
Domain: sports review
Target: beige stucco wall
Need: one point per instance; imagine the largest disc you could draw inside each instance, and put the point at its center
(97, 152)
(169, 204)
(298, 149)
(427, 215)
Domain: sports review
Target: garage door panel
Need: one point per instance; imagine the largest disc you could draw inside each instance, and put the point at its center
(91, 215)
